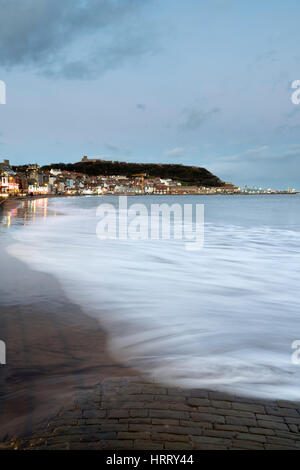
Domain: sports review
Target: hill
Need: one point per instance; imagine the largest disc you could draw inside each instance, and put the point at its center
(192, 175)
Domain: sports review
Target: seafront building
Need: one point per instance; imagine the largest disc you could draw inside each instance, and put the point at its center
(8, 179)
(32, 180)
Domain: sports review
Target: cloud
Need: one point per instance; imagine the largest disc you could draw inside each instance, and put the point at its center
(288, 129)
(245, 155)
(290, 122)
(113, 147)
(284, 155)
(72, 38)
(176, 152)
(268, 56)
(262, 165)
(195, 118)
(141, 106)
(116, 149)
(294, 112)
(264, 153)
(294, 146)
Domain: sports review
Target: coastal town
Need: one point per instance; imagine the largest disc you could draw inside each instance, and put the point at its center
(33, 180)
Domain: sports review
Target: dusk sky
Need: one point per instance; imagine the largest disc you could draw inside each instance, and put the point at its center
(196, 82)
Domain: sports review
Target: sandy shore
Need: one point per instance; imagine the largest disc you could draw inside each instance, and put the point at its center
(10, 203)
(60, 389)
(7, 204)
(54, 350)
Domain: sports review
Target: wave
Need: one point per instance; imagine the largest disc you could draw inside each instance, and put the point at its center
(222, 318)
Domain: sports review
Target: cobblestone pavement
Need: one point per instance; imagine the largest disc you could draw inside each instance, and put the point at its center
(130, 413)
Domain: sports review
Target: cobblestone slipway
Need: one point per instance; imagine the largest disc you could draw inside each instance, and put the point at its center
(130, 413)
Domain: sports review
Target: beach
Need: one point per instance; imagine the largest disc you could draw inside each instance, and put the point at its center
(53, 349)
(63, 389)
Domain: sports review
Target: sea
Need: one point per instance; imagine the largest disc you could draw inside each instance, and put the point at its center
(222, 317)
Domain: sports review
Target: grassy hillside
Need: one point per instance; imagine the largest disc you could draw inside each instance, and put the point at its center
(186, 174)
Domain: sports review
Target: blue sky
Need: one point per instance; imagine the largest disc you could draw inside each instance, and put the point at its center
(194, 82)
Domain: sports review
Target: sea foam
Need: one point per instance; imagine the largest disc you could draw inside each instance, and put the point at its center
(222, 318)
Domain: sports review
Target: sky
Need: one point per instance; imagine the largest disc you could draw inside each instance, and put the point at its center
(196, 82)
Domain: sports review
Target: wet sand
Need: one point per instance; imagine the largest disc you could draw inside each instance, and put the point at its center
(54, 350)
(7, 204)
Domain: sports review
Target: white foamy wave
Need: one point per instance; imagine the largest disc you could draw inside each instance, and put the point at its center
(223, 317)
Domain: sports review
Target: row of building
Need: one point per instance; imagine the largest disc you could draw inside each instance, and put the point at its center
(32, 180)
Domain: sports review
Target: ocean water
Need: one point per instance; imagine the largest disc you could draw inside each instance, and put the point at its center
(223, 317)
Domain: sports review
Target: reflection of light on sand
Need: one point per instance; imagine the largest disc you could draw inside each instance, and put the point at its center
(45, 212)
(33, 210)
(27, 211)
(13, 213)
